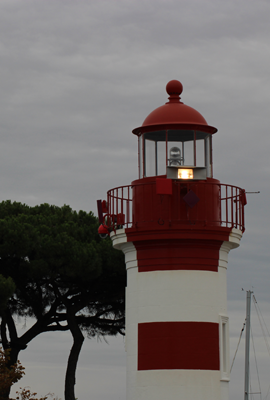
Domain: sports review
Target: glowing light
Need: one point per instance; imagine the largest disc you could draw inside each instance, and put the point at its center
(185, 173)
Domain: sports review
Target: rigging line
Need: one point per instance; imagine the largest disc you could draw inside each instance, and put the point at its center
(264, 336)
(263, 330)
(261, 325)
(256, 303)
(241, 333)
(253, 345)
(250, 389)
(267, 393)
(259, 312)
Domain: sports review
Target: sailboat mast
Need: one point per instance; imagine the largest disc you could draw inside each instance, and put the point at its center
(248, 305)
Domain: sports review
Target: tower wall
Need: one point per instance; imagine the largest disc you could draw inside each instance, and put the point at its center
(177, 339)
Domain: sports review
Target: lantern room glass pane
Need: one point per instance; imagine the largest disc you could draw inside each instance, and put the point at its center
(188, 153)
(154, 153)
(161, 160)
(150, 158)
(200, 153)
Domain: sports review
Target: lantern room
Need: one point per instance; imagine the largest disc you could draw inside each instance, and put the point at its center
(175, 140)
(176, 187)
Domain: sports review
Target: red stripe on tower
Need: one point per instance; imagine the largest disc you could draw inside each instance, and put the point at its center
(178, 345)
(157, 255)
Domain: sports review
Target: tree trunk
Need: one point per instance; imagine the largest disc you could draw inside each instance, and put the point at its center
(14, 344)
(14, 352)
(78, 339)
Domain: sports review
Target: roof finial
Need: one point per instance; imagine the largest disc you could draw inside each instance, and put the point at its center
(174, 89)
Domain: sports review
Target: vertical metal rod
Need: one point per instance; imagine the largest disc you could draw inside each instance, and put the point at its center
(183, 154)
(220, 210)
(166, 148)
(143, 160)
(194, 149)
(211, 157)
(239, 209)
(243, 215)
(156, 159)
(226, 206)
(127, 221)
(139, 156)
(247, 345)
(111, 215)
(117, 201)
(232, 221)
(108, 201)
(207, 156)
(236, 208)
(122, 203)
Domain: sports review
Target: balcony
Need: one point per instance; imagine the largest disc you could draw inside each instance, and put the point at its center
(139, 206)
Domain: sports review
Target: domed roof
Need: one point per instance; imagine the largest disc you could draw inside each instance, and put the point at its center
(174, 114)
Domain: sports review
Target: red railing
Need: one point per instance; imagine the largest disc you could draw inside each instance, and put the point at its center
(119, 203)
(228, 200)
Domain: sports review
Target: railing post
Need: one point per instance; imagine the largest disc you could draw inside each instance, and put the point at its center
(122, 202)
(113, 202)
(108, 204)
(243, 215)
(226, 200)
(236, 208)
(220, 210)
(232, 206)
(128, 210)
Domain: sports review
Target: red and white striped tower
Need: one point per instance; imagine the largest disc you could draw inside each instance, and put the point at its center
(176, 226)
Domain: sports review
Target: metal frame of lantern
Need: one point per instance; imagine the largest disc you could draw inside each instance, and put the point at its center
(178, 134)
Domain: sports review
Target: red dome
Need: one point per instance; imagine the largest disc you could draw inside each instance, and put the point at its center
(174, 114)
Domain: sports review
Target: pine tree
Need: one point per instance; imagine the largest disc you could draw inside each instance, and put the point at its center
(65, 277)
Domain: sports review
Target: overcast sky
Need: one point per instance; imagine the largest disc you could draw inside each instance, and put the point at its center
(77, 76)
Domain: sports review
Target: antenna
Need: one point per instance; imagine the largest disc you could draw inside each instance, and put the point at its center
(246, 397)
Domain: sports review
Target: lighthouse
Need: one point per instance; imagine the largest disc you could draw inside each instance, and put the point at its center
(176, 225)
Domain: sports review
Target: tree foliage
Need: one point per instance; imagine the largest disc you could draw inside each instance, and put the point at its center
(7, 288)
(27, 394)
(11, 375)
(65, 277)
(8, 375)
